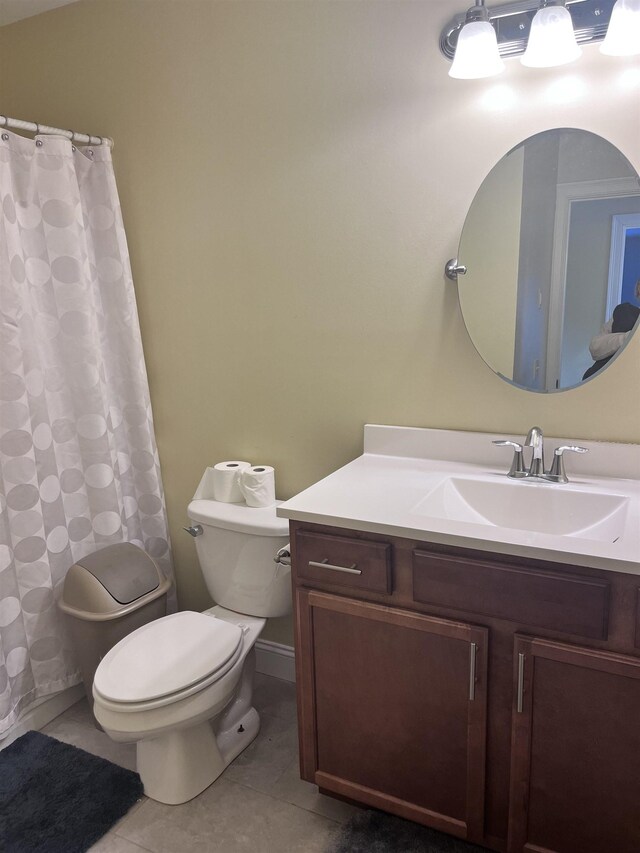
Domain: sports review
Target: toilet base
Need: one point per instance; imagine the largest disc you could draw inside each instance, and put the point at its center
(178, 766)
(231, 742)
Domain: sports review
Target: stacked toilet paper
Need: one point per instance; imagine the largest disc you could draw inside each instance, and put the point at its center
(258, 484)
(226, 481)
(235, 481)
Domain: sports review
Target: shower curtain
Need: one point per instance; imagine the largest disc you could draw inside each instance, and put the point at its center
(78, 461)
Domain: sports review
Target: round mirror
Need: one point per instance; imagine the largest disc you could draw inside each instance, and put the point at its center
(551, 244)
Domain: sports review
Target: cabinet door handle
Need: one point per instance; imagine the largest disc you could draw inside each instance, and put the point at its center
(520, 699)
(324, 564)
(473, 654)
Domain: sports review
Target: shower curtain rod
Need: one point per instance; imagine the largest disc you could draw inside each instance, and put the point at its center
(34, 127)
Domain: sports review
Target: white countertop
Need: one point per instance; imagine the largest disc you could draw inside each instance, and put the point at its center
(383, 491)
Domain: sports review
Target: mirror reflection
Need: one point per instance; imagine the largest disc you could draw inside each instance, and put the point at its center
(552, 249)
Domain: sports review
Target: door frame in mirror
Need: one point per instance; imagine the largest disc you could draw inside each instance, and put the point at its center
(566, 195)
(621, 223)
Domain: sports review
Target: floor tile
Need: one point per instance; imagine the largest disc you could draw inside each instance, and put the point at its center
(112, 843)
(274, 697)
(80, 711)
(87, 737)
(291, 788)
(228, 818)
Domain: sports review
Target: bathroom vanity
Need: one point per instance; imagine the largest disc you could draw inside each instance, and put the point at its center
(476, 677)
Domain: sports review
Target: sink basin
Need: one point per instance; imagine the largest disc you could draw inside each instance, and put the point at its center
(532, 506)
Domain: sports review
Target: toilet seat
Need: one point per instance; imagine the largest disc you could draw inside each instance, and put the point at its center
(167, 660)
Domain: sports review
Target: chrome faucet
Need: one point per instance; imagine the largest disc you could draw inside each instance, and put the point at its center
(535, 440)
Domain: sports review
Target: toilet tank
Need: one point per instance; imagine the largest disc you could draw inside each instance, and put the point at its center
(236, 551)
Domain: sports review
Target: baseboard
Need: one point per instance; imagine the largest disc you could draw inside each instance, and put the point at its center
(275, 659)
(42, 712)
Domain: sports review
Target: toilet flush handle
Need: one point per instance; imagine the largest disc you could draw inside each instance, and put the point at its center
(195, 530)
(283, 556)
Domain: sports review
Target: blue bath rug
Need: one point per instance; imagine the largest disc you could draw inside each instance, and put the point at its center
(56, 798)
(372, 831)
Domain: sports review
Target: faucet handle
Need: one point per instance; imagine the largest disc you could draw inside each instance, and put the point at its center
(517, 464)
(574, 448)
(503, 442)
(557, 472)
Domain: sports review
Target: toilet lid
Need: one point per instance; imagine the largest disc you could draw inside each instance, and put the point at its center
(166, 656)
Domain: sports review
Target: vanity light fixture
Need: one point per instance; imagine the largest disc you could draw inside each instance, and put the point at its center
(551, 40)
(536, 31)
(477, 52)
(623, 35)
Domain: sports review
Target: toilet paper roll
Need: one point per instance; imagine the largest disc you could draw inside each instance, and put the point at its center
(226, 481)
(258, 484)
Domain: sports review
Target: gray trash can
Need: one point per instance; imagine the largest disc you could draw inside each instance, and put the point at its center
(107, 595)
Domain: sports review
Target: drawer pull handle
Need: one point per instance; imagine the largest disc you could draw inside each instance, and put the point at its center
(520, 699)
(473, 654)
(325, 564)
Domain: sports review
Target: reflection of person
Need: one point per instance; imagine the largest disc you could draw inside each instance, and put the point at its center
(614, 334)
(608, 341)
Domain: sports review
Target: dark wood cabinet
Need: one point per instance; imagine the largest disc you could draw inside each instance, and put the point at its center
(575, 769)
(341, 561)
(493, 697)
(398, 702)
(573, 605)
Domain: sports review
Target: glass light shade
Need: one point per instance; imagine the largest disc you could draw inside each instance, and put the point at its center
(551, 40)
(623, 33)
(476, 52)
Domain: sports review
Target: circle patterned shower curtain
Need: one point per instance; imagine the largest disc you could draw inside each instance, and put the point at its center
(79, 467)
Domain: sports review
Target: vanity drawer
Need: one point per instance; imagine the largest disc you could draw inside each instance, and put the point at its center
(339, 561)
(560, 602)
(638, 618)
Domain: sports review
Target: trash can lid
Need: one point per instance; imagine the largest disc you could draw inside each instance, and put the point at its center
(124, 570)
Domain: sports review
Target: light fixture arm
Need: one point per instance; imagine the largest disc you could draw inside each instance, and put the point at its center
(512, 23)
(479, 12)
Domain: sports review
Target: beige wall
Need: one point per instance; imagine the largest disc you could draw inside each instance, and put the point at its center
(294, 176)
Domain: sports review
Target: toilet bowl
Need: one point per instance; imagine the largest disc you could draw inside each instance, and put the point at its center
(181, 687)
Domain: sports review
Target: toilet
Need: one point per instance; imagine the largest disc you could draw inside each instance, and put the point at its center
(181, 687)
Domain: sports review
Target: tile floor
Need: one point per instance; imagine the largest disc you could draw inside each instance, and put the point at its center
(259, 804)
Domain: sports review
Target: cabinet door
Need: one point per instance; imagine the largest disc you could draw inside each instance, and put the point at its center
(575, 771)
(392, 709)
